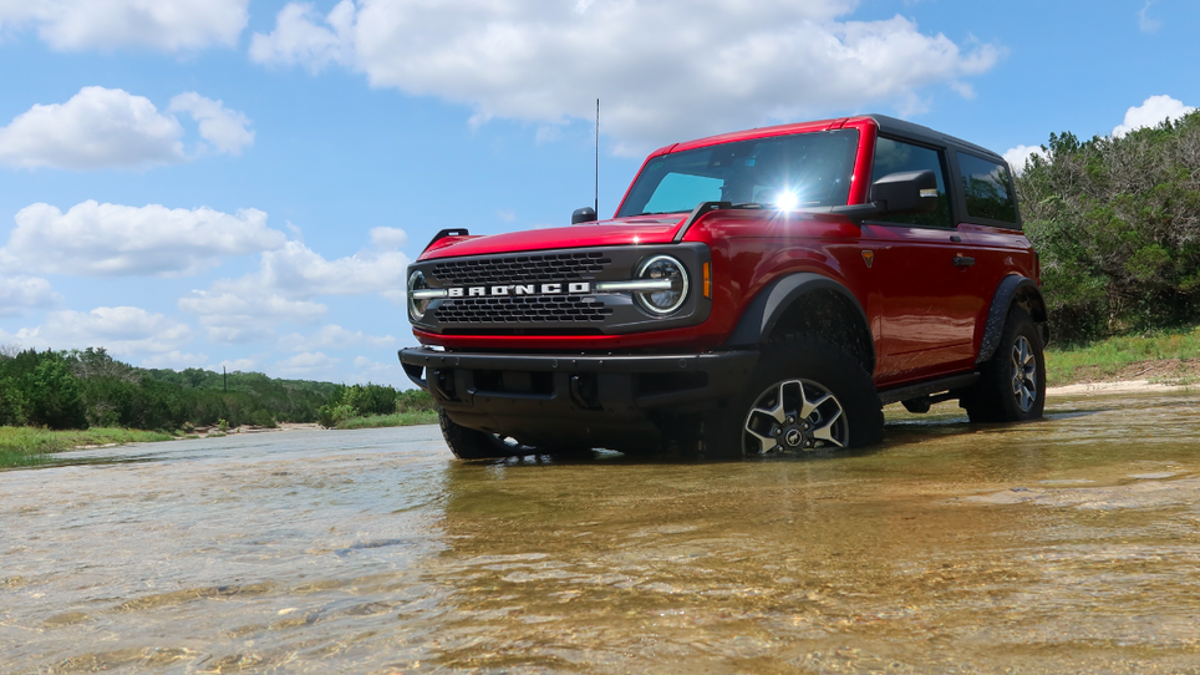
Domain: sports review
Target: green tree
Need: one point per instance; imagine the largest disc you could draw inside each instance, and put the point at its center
(1117, 224)
(53, 395)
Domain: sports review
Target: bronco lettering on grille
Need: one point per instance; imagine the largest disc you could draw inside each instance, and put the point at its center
(572, 288)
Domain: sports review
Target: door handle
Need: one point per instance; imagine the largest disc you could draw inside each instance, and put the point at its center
(963, 261)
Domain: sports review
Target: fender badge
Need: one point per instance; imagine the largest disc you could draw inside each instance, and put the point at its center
(869, 258)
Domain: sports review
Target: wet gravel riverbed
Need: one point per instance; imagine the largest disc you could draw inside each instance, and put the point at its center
(1067, 545)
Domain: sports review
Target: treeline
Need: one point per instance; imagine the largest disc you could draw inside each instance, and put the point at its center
(80, 389)
(1117, 224)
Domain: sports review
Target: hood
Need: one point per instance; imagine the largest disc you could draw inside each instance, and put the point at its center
(643, 230)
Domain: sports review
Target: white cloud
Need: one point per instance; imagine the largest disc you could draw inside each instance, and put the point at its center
(1152, 112)
(282, 290)
(388, 238)
(1019, 156)
(95, 239)
(234, 365)
(18, 294)
(298, 40)
(332, 337)
(297, 271)
(175, 360)
(160, 25)
(111, 128)
(97, 128)
(1145, 23)
(236, 318)
(663, 70)
(507, 215)
(224, 128)
(123, 331)
(368, 370)
(308, 365)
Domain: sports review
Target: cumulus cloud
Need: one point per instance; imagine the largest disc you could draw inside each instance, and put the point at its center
(663, 70)
(97, 128)
(94, 239)
(160, 25)
(233, 365)
(1019, 156)
(368, 370)
(111, 128)
(231, 317)
(175, 360)
(283, 288)
(308, 365)
(123, 331)
(19, 294)
(1152, 112)
(332, 337)
(297, 271)
(388, 238)
(225, 129)
(299, 40)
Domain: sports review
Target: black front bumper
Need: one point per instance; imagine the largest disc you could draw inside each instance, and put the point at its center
(611, 401)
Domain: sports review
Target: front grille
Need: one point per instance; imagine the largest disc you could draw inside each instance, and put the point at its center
(542, 267)
(546, 309)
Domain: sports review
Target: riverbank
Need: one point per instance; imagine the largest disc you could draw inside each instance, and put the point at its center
(18, 444)
(1163, 358)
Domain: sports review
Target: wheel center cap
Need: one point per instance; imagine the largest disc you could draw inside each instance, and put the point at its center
(793, 437)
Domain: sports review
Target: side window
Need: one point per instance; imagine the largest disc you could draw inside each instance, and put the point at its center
(898, 156)
(987, 188)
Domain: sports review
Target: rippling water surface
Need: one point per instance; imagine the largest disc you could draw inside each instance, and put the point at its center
(1067, 545)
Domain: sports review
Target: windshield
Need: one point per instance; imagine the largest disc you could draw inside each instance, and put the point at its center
(800, 171)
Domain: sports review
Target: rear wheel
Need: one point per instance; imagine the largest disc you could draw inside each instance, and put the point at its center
(1012, 384)
(805, 395)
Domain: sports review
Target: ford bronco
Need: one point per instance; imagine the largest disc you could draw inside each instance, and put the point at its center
(757, 292)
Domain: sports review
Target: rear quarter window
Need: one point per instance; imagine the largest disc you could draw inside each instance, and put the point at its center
(987, 188)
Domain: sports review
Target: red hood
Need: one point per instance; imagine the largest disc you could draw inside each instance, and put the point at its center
(643, 230)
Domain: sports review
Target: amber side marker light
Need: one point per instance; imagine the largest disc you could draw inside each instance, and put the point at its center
(707, 274)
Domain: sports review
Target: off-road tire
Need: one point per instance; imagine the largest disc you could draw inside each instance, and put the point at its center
(1012, 383)
(823, 368)
(473, 444)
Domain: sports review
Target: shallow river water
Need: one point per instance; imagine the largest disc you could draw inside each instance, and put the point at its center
(1066, 545)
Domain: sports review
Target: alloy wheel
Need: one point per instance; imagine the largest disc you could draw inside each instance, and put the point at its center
(795, 415)
(1024, 374)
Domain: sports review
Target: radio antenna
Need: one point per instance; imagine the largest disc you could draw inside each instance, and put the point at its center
(596, 205)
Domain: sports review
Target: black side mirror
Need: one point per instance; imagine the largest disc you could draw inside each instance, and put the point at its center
(906, 192)
(585, 215)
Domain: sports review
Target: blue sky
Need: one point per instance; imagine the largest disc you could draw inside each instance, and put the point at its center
(241, 183)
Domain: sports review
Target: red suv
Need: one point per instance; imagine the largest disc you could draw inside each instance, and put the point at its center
(757, 292)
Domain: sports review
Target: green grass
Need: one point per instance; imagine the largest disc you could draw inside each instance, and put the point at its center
(1116, 358)
(22, 446)
(404, 419)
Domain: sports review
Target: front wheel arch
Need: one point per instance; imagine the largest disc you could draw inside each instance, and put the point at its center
(806, 302)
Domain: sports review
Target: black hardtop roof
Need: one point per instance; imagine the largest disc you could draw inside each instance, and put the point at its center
(896, 127)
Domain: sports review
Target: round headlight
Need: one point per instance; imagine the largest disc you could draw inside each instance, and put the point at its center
(416, 307)
(663, 267)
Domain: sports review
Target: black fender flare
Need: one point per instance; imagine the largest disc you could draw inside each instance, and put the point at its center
(774, 301)
(1012, 287)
